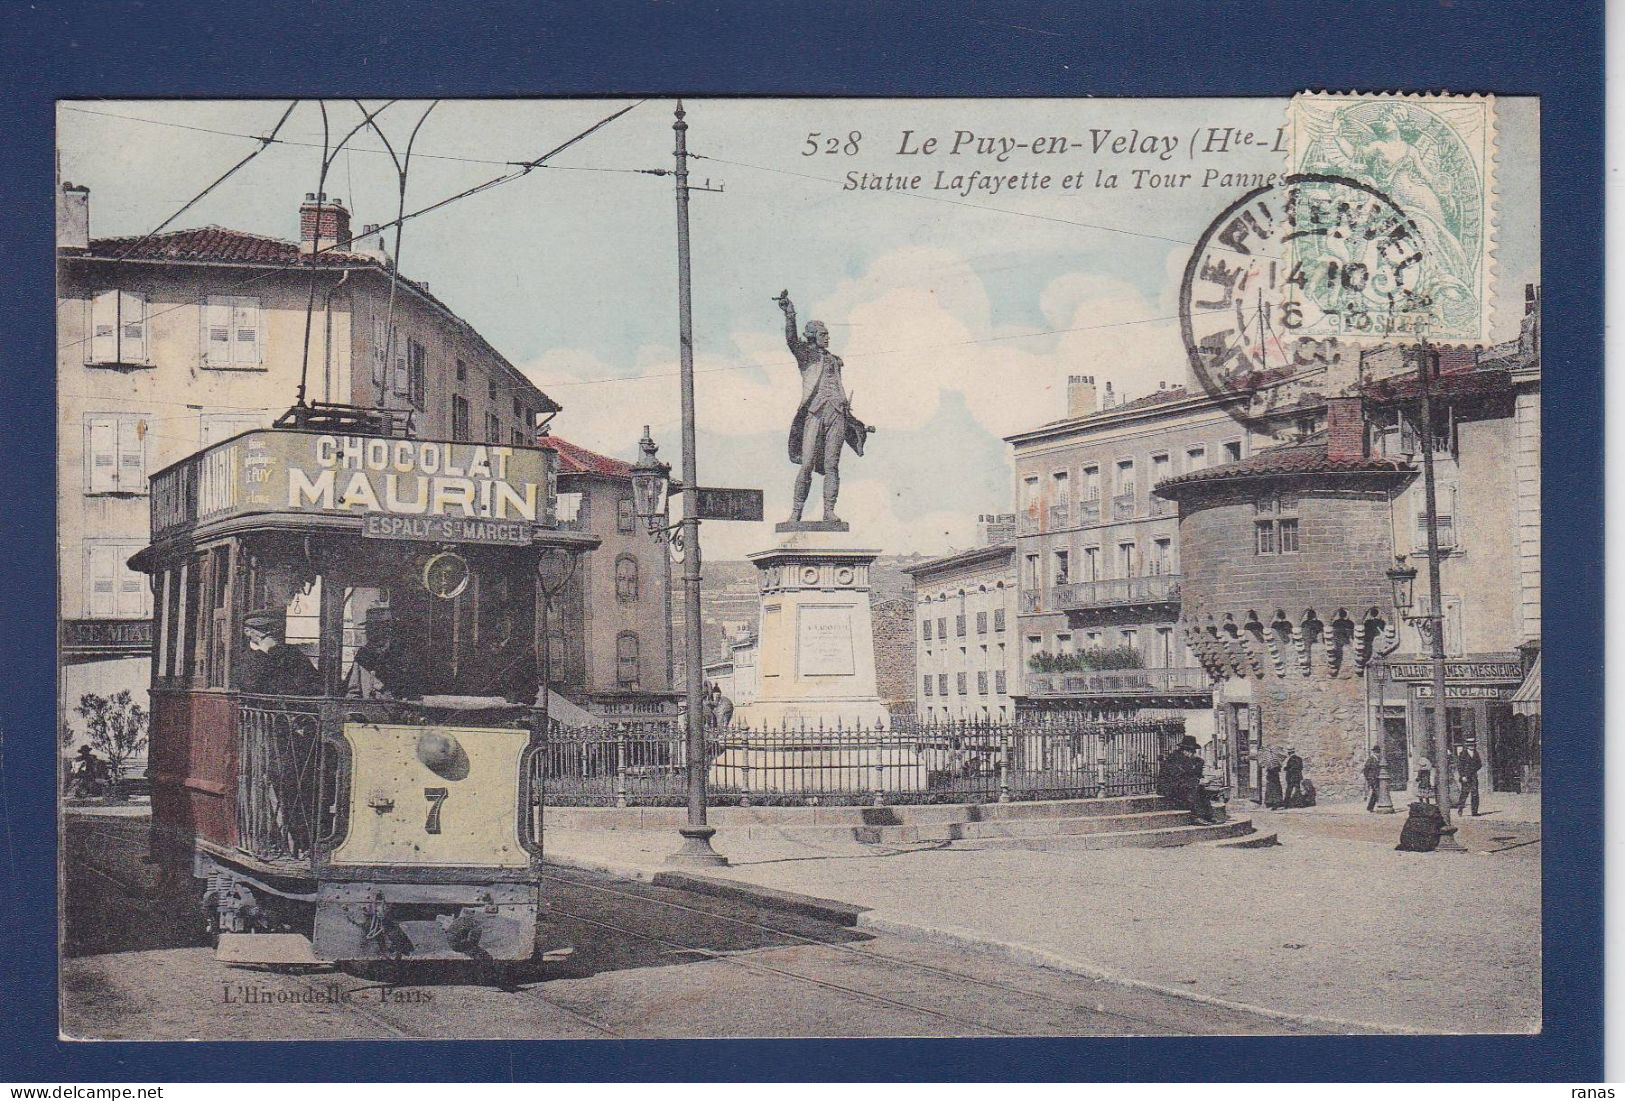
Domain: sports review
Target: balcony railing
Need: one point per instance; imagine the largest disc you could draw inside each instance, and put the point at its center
(1089, 512)
(1155, 589)
(1117, 682)
(1029, 600)
(1059, 516)
(1027, 522)
(1123, 507)
(1161, 507)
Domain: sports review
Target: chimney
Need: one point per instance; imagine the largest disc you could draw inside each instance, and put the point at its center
(1080, 395)
(73, 217)
(323, 224)
(1345, 429)
(1110, 400)
(371, 244)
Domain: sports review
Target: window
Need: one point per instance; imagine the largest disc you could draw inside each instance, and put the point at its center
(462, 371)
(626, 515)
(417, 374)
(1195, 459)
(626, 660)
(981, 623)
(1232, 451)
(1160, 468)
(1035, 644)
(1031, 580)
(1445, 500)
(1029, 494)
(1063, 643)
(1062, 567)
(1091, 483)
(1131, 639)
(626, 579)
(942, 684)
(459, 418)
(118, 328)
(999, 685)
(232, 331)
(493, 428)
(1162, 556)
(112, 589)
(1308, 425)
(214, 427)
(1091, 564)
(998, 619)
(942, 627)
(1092, 639)
(1125, 478)
(981, 684)
(959, 625)
(1127, 560)
(960, 684)
(116, 453)
(516, 437)
(1058, 487)
(491, 389)
(925, 629)
(928, 685)
(1276, 526)
(1164, 656)
(518, 410)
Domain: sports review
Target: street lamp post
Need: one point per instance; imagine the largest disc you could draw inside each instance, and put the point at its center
(696, 847)
(1434, 617)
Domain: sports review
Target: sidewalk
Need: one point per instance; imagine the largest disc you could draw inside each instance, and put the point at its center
(1332, 927)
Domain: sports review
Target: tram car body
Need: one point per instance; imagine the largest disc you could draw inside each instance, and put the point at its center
(347, 719)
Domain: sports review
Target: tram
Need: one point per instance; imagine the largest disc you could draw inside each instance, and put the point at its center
(346, 714)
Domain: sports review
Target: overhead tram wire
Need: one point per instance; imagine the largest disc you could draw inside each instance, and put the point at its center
(293, 143)
(265, 143)
(527, 167)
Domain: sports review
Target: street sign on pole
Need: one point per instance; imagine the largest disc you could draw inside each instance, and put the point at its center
(728, 504)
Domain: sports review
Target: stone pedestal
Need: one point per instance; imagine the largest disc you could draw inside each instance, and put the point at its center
(816, 651)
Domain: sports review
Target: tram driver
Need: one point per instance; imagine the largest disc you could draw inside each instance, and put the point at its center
(272, 667)
(382, 668)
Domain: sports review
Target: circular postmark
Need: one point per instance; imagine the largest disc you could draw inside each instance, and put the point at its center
(1291, 280)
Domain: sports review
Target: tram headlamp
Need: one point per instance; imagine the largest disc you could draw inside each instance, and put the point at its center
(442, 754)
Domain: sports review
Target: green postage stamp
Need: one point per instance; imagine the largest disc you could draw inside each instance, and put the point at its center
(1426, 265)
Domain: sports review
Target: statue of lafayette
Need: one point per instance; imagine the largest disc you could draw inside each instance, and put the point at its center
(824, 422)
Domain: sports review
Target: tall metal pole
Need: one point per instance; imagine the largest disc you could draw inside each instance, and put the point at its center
(696, 847)
(1441, 763)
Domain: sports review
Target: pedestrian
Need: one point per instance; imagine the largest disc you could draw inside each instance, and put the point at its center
(1468, 762)
(1294, 778)
(89, 774)
(1272, 777)
(1424, 778)
(1185, 785)
(1373, 779)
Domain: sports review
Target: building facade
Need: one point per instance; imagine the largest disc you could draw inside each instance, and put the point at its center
(967, 656)
(1098, 559)
(610, 645)
(1285, 599)
(171, 342)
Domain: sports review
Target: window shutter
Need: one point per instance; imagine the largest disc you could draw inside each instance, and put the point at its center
(245, 331)
(132, 586)
(100, 598)
(133, 318)
(217, 332)
(101, 454)
(103, 346)
(132, 458)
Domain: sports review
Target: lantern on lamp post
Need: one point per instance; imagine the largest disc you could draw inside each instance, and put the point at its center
(651, 480)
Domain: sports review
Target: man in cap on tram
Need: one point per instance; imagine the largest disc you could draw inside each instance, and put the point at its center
(382, 668)
(272, 667)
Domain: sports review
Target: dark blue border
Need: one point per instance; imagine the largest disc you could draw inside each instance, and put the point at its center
(868, 47)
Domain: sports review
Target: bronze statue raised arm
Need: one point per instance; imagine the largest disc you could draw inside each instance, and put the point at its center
(824, 421)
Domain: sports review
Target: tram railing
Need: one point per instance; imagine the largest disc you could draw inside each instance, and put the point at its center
(645, 765)
(291, 777)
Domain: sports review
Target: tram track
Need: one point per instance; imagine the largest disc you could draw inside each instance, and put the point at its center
(872, 959)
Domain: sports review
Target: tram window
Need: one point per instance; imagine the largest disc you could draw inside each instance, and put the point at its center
(189, 664)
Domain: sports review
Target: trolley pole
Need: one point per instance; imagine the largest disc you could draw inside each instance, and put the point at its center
(696, 847)
(1441, 737)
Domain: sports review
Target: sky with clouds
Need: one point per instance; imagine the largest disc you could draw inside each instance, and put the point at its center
(959, 310)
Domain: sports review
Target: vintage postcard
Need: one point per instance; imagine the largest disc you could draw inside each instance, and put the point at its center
(548, 569)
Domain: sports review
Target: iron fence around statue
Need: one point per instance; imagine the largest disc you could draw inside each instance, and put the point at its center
(645, 764)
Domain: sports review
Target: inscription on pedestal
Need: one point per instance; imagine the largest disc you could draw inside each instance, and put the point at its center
(824, 641)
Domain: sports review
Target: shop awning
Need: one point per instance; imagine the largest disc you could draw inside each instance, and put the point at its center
(1526, 700)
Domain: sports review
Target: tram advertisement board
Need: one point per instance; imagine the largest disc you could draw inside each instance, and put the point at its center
(402, 488)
